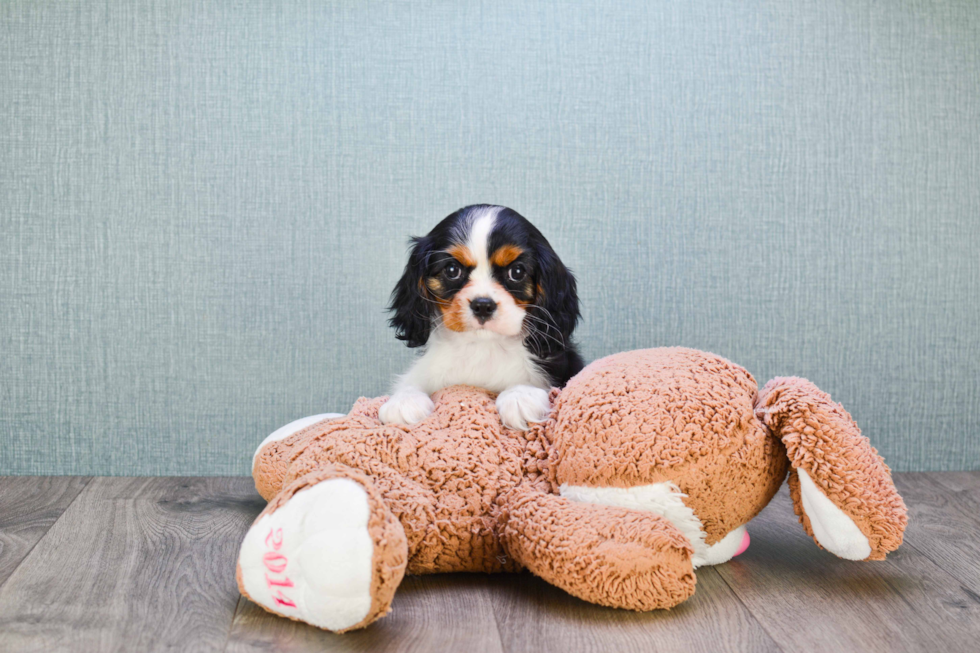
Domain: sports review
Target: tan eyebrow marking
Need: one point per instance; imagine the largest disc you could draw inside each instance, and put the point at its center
(434, 284)
(505, 255)
(463, 255)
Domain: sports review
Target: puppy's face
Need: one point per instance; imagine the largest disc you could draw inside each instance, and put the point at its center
(478, 277)
(484, 268)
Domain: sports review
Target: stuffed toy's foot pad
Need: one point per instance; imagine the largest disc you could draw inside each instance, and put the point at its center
(311, 559)
(834, 530)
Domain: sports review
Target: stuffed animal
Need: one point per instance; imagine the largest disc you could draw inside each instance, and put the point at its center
(649, 466)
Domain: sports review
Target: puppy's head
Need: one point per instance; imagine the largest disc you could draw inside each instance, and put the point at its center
(486, 269)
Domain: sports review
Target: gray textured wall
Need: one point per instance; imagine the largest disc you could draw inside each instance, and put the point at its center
(204, 205)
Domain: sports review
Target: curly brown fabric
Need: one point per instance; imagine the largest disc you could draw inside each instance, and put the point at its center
(468, 494)
(670, 414)
(822, 439)
(606, 555)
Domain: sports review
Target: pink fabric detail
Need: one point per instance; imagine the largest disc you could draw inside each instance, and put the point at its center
(274, 582)
(281, 599)
(275, 562)
(276, 537)
(744, 545)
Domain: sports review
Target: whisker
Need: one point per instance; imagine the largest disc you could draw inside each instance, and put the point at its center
(530, 334)
(437, 302)
(547, 313)
(560, 339)
(542, 321)
(535, 331)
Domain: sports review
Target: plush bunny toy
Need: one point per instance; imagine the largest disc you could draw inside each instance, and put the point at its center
(649, 466)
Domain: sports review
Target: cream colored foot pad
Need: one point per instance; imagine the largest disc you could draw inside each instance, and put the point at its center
(311, 558)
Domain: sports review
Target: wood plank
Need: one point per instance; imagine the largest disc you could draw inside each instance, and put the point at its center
(133, 564)
(29, 505)
(446, 612)
(944, 526)
(147, 564)
(960, 481)
(966, 485)
(535, 616)
(808, 599)
(464, 612)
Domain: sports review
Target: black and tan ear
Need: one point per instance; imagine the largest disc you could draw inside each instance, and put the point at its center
(556, 300)
(409, 304)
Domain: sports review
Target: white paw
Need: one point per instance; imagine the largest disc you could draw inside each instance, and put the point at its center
(406, 407)
(312, 558)
(835, 531)
(521, 404)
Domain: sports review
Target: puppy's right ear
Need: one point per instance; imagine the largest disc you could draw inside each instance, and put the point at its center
(410, 303)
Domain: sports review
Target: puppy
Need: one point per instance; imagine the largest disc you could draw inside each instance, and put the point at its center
(494, 307)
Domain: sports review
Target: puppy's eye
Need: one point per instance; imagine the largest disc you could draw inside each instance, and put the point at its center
(516, 273)
(453, 271)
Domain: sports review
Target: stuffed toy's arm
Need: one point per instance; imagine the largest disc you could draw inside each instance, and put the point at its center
(603, 554)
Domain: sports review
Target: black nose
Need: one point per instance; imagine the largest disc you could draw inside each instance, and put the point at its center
(483, 308)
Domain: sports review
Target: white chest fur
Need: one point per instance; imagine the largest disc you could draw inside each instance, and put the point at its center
(479, 358)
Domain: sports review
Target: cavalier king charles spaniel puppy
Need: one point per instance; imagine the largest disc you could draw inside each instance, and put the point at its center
(494, 307)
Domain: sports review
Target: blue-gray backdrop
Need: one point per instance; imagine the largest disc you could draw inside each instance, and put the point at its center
(205, 205)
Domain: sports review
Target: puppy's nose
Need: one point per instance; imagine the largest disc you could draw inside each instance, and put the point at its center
(483, 308)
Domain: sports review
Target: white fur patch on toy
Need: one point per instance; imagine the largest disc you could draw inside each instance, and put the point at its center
(294, 426)
(834, 530)
(666, 500)
(312, 558)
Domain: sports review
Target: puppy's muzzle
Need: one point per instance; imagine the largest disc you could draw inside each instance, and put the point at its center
(482, 308)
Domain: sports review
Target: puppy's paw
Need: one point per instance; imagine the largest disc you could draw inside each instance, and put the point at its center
(521, 404)
(406, 407)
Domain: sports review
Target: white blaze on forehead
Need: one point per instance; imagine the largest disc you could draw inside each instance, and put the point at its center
(478, 242)
(508, 319)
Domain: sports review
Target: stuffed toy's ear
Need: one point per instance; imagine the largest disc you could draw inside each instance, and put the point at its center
(410, 304)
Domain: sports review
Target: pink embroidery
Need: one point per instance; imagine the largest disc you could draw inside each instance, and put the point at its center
(274, 582)
(277, 563)
(280, 599)
(276, 540)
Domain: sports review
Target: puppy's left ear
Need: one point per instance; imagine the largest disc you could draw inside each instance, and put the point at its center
(412, 313)
(556, 300)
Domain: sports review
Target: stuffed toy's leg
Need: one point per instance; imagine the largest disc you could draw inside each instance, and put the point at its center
(842, 489)
(326, 550)
(284, 432)
(271, 459)
(667, 500)
(603, 554)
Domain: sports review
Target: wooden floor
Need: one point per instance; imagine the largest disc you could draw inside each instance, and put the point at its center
(139, 564)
